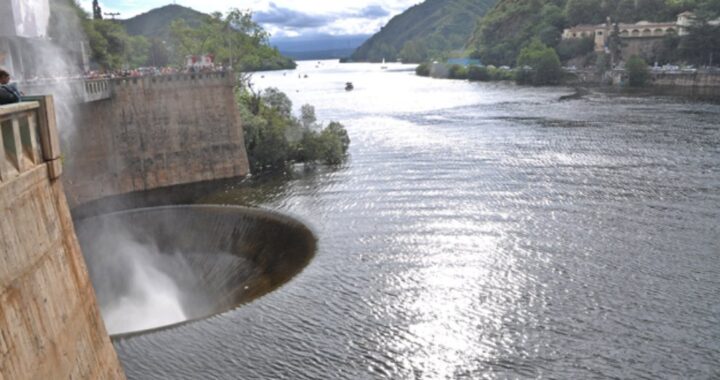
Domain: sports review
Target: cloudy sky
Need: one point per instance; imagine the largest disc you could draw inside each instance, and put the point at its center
(284, 17)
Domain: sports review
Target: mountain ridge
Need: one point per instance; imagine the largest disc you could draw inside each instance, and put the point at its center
(431, 29)
(155, 23)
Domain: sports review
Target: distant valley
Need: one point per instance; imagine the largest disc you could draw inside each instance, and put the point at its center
(318, 46)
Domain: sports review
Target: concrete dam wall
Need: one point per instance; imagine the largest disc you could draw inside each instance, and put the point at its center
(155, 132)
(50, 326)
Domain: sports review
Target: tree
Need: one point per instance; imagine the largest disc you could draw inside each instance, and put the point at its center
(234, 40)
(478, 73)
(637, 70)
(602, 63)
(651, 10)
(543, 63)
(97, 11)
(158, 54)
(457, 72)
(307, 116)
(274, 137)
(136, 51)
(584, 12)
(668, 50)
(423, 70)
(108, 42)
(615, 45)
(702, 44)
(575, 47)
(110, 45)
(550, 35)
(277, 101)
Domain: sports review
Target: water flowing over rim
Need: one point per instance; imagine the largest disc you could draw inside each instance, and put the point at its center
(256, 213)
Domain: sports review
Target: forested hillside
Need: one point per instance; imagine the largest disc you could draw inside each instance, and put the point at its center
(156, 23)
(512, 24)
(165, 36)
(430, 30)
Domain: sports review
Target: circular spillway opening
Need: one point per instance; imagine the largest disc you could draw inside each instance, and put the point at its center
(158, 267)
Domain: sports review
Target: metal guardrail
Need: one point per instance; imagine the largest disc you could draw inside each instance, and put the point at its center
(28, 138)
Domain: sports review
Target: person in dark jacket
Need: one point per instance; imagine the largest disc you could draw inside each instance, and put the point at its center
(8, 92)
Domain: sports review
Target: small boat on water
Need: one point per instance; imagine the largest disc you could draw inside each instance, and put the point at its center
(349, 86)
(383, 67)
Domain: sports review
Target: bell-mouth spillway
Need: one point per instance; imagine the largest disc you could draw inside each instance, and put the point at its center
(154, 268)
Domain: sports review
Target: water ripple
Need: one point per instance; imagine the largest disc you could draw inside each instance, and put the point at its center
(482, 231)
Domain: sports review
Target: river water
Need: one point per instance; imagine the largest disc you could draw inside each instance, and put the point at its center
(479, 231)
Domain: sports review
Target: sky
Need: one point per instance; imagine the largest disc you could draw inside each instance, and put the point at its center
(283, 18)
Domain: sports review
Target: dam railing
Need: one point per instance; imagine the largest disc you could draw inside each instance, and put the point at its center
(80, 90)
(29, 138)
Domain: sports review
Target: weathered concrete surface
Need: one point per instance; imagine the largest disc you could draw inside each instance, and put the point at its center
(687, 79)
(156, 132)
(50, 327)
(705, 86)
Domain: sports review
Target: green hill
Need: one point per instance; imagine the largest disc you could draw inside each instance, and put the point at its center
(173, 32)
(430, 30)
(156, 23)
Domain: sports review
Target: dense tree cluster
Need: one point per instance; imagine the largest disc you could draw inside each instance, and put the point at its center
(274, 138)
(638, 73)
(234, 39)
(538, 64)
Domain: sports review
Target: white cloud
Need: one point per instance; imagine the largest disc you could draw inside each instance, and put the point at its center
(308, 16)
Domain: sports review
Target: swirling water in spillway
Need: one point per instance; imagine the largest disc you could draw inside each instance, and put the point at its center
(480, 231)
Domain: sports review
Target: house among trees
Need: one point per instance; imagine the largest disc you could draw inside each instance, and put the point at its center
(638, 38)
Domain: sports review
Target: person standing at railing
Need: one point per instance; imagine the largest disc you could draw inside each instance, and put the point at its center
(8, 91)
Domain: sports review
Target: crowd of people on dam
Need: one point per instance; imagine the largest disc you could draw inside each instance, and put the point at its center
(153, 71)
(129, 73)
(9, 92)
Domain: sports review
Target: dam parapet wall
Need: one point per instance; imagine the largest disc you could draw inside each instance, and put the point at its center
(50, 325)
(155, 132)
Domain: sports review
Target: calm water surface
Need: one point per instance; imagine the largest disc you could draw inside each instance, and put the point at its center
(480, 231)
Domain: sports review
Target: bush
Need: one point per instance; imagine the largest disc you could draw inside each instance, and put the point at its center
(423, 70)
(479, 73)
(328, 146)
(603, 63)
(498, 74)
(638, 72)
(338, 130)
(543, 62)
(568, 49)
(458, 72)
(524, 76)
